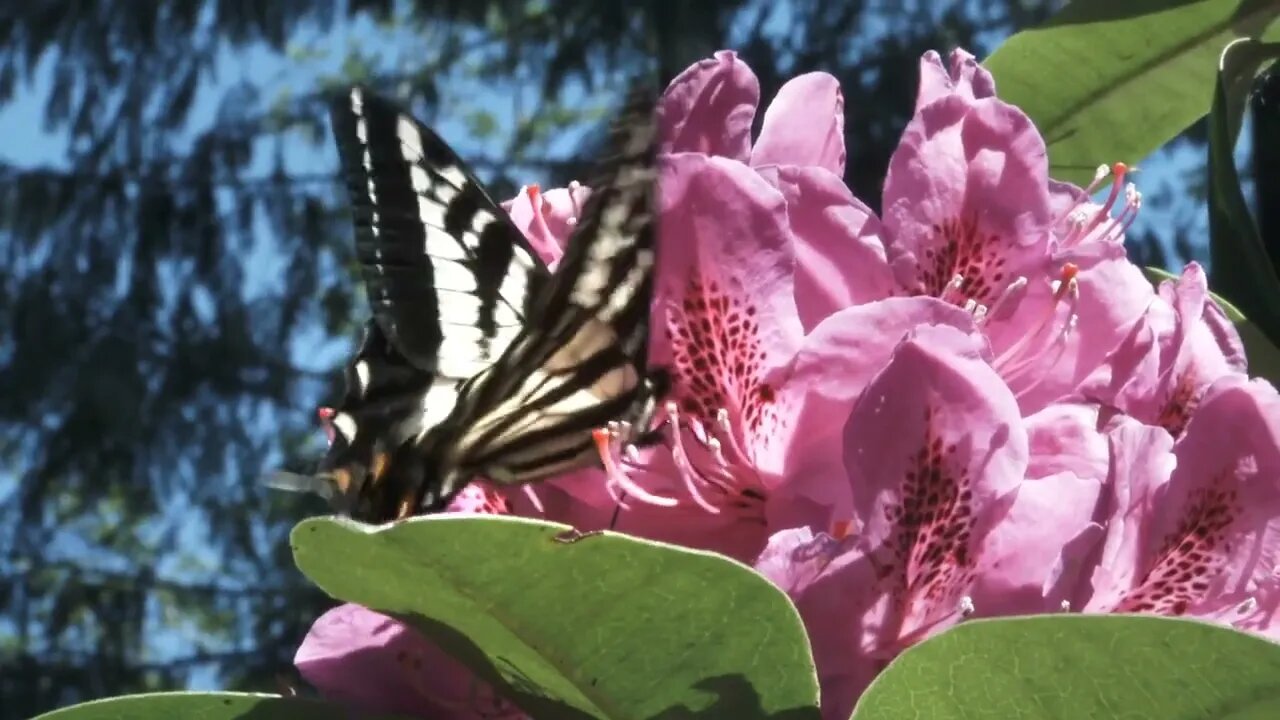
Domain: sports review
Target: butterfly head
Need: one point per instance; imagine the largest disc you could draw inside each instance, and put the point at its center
(361, 476)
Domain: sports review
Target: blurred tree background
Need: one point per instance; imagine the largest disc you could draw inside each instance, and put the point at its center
(178, 292)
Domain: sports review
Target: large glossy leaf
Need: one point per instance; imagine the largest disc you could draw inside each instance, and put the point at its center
(1109, 80)
(1242, 269)
(603, 626)
(1074, 667)
(1264, 356)
(200, 706)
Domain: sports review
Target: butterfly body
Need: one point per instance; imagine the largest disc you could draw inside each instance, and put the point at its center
(478, 361)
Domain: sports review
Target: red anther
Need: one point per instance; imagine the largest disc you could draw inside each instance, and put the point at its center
(840, 529)
(601, 436)
(1069, 272)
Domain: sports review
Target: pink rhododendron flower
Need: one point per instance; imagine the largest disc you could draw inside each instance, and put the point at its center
(972, 218)
(1183, 344)
(973, 406)
(937, 456)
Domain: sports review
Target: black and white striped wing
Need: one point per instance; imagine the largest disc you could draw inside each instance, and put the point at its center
(449, 279)
(448, 276)
(580, 363)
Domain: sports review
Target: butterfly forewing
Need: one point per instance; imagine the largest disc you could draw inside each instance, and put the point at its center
(580, 362)
(448, 276)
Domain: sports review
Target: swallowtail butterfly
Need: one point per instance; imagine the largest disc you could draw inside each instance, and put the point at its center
(478, 361)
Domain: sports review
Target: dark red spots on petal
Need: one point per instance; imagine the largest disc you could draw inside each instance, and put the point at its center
(1182, 401)
(718, 354)
(1192, 555)
(934, 521)
(958, 248)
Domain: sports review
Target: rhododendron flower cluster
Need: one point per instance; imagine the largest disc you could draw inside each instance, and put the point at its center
(970, 405)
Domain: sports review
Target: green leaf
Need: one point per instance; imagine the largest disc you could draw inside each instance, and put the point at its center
(1080, 666)
(1264, 356)
(200, 706)
(1241, 267)
(601, 626)
(1113, 80)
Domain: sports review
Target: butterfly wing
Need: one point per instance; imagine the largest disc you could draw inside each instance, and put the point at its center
(449, 280)
(580, 362)
(448, 276)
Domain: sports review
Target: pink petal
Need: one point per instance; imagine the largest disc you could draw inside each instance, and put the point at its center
(1130, 378)
(936, 451)
(543, 218)
(966, 195)
(835, 364)
(1177, 349)
(794, 559)
(831, 584)
(840, 259)
(709, 108)
(964, 77)
(1064, 197)
(724, 288)
(1206, 541)
(1111, 297)
(1064, 438)
(1140, 468)
(1049, 515)
(1218, 529)
(1203, 348)
(970, 76)
(804, 125)
(374, 664)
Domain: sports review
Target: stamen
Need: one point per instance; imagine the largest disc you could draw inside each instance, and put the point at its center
(533, 190)
(952, 292)
(574, 186)
(1008, 299)
(681, 457)
(1096, 222)
(1019, 357)
(1247, 607)
(1133, 203)
(1065, 606)
(841, 529)
(966, 606)
(1098, 176)
(1120, 169)
(603, 445)
(533, 498)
